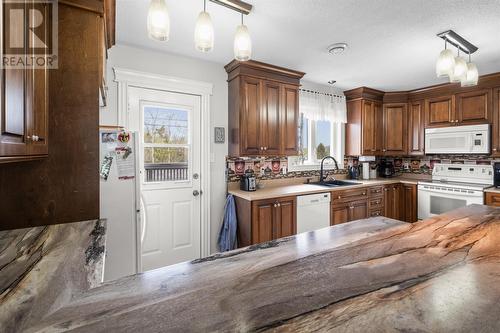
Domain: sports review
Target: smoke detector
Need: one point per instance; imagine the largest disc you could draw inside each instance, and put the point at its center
(332, 82)
(337, 48)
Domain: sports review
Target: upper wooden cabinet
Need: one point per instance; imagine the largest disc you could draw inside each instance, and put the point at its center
(24, 98)
(495, 130)
(415, 128)
(440, 111)
(474, 107)
(263, 109)
(466, 108)
(364, 128)
(395, 129)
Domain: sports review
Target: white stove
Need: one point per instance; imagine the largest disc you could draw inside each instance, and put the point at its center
(453, 186)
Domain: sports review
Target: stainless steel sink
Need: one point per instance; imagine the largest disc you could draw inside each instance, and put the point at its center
(335, 183)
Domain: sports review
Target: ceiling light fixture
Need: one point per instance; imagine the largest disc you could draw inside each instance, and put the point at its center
(445, 62)
(472, 75)
(159, 27)
(459, 70)
(158, 21)
(337, 48)
(204, 31)
(455, 67)
(242, 43)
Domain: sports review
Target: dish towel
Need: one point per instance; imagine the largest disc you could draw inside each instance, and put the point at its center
(227, 235)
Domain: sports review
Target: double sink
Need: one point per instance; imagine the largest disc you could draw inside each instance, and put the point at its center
(335, 183)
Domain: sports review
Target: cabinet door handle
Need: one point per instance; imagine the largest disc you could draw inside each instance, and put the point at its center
(494, 149)
(261, 148)
(364, 193)
(265, 148)
(339, 197)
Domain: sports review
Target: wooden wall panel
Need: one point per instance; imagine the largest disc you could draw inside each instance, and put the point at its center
(64, 187)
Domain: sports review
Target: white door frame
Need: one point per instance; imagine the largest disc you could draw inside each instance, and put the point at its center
(130, 78)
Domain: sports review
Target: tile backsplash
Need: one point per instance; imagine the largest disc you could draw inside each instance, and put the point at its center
(424, 164)
(268, 168)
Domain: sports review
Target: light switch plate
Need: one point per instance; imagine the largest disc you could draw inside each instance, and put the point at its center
(219, 135)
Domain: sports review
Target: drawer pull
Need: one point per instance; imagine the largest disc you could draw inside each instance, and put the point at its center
(364, 193)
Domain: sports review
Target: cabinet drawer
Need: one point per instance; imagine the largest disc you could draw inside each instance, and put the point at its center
(376, 212)
(493, 199)
(376, 191)
(376, 203)
(339, 197)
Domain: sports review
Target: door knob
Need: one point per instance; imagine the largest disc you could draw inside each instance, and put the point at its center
(196, 176)
(196, 193)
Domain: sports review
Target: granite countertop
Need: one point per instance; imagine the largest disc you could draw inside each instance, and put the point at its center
(43, 268)
(372, 275)
(272, 191)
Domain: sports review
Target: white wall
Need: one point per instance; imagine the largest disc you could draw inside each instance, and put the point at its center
(145, 60)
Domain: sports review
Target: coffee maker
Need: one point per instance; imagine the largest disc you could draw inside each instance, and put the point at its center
(386, 169)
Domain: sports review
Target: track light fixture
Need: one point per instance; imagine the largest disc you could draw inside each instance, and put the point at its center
(455, 67)
(159, 27)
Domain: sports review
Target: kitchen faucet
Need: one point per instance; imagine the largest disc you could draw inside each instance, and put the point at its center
(321, 169)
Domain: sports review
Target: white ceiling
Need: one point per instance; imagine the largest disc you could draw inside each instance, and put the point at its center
(392, 43)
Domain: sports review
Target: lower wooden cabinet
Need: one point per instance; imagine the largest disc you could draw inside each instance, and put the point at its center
(349, 211)
(492, 199)
(409, 203)
(264, 220)
(392, 199)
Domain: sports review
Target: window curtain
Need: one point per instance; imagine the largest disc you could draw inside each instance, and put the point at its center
(324, 107)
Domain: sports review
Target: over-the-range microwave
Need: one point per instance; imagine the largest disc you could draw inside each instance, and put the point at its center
(470, 139)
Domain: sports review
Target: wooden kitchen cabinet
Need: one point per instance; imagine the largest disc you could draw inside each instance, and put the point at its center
(349, 211)
(371, 130)
(349, 205)
(474, 107)
(440, 111)
(264, 220)
(263, 109)
(364, 129)
(492, 199)
(24, 101)
(495, 129)
(392, 201)
(416, 124)
(395, 129)
(409, 203)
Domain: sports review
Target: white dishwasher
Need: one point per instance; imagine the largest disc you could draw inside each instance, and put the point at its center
(313, 212)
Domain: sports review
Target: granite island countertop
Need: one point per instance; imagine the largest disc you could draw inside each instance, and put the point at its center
(372, 275)
(43, 268)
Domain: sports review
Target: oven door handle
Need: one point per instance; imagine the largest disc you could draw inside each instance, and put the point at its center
(466, 194)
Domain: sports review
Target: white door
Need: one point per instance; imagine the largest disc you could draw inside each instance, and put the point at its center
(170, 156)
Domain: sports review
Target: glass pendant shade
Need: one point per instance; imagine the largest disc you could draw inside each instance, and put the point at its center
(459, 71)
(242, 44)
(445, 63)
(204, 33)
(471, 77)
(158, 21)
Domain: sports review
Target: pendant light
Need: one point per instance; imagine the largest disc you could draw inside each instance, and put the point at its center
(242, 43)
(204, 31)
(445, 62)
(459, 70)
(158, 21)
(471, 76)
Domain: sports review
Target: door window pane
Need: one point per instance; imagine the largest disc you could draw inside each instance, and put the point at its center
(323, 139)
(163, 125)
(165, 164)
